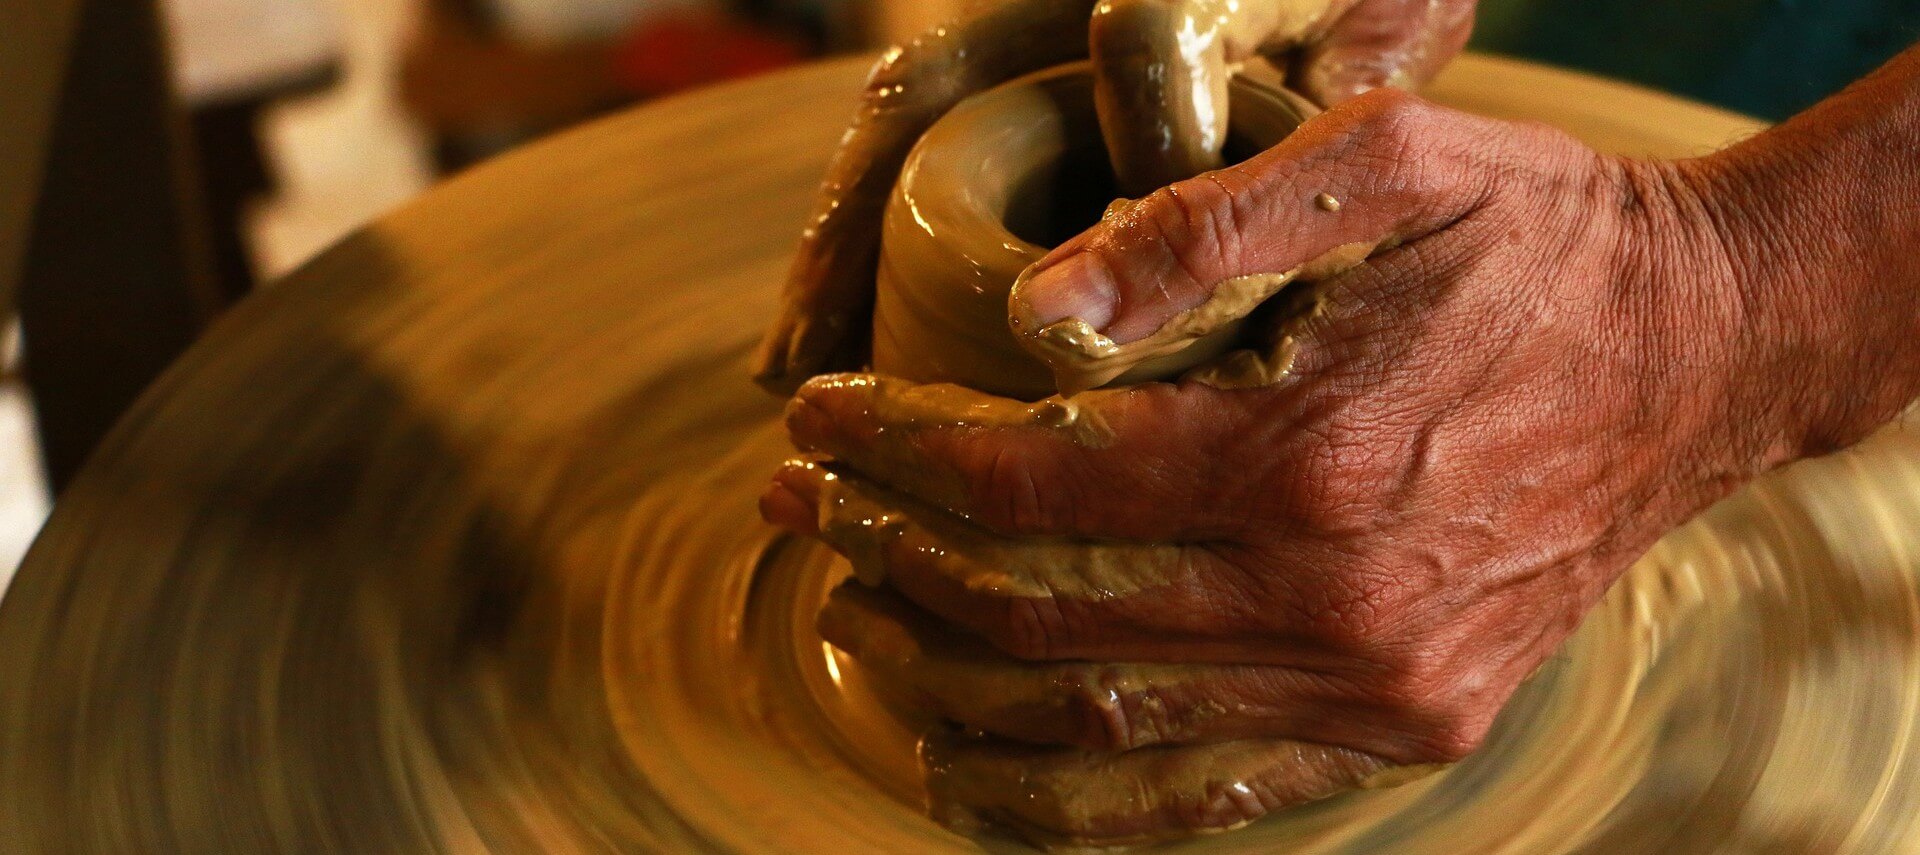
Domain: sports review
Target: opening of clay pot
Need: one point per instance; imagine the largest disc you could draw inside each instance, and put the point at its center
(988, 190)
(1061, 197)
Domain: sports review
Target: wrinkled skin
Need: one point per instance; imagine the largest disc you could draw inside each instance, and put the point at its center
(1150, 78)
(1562, 356)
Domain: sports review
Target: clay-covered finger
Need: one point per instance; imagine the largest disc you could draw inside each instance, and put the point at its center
(1056, 796)
(1035, 598)
(1398, 43)
(1160, 81)
(1161, 69)
(958, 677)
(826, 308)
(1098, 705)
(1137, 463)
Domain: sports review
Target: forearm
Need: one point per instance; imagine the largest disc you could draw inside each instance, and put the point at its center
(1820, 218)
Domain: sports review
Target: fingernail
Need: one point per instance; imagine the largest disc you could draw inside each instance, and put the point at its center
(808, 423)
(782, 507)
(786, 504)
(1079, 287)
(826, 407)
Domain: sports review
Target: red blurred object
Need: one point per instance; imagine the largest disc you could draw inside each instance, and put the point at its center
(679, 50)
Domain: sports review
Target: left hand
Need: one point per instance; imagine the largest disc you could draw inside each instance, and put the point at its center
(1351, 570)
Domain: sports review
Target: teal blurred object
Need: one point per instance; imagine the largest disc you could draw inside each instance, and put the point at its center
(1765, 58)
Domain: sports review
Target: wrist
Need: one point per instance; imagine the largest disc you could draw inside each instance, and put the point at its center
(1690, 343)
(1827, 325)
(1817, 219)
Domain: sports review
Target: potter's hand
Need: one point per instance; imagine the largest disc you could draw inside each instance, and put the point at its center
(1564, 355)
(1161, 67)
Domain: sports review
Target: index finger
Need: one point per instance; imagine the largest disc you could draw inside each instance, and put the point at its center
(1141, 463)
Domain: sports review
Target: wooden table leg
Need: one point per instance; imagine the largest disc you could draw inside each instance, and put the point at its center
(115, 281)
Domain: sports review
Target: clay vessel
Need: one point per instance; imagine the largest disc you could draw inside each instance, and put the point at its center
(989, 189)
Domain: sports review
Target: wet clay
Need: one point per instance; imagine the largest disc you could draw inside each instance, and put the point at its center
(990, 187)
(1163, 69)
(958, 677)
(1081, 358)
(824, 327)
(863, 521)
(448, 544)
(1128, 798)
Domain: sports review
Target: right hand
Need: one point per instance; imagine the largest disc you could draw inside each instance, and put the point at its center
(1149, 77)
(1180, 607)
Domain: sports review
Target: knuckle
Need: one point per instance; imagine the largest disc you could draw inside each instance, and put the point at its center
(1008, 496)
(1411, 685)
(1220, 806)
(1172, 215)
(1449, 733)
(1032, 630)
(1111, 712)
(1182, 225)
(1389, 113)
(1098, 714)
(1392, 132)
(1214, 196)
(1436, 704)
(1146, 227)
(1455, 742)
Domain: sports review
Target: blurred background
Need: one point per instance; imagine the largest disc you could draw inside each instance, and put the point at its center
(290, 123)
(159, 159)
(370, 101)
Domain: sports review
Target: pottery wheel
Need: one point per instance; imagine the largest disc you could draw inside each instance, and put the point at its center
(448, 544)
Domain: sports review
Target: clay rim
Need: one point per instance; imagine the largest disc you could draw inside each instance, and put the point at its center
(1014, 147)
